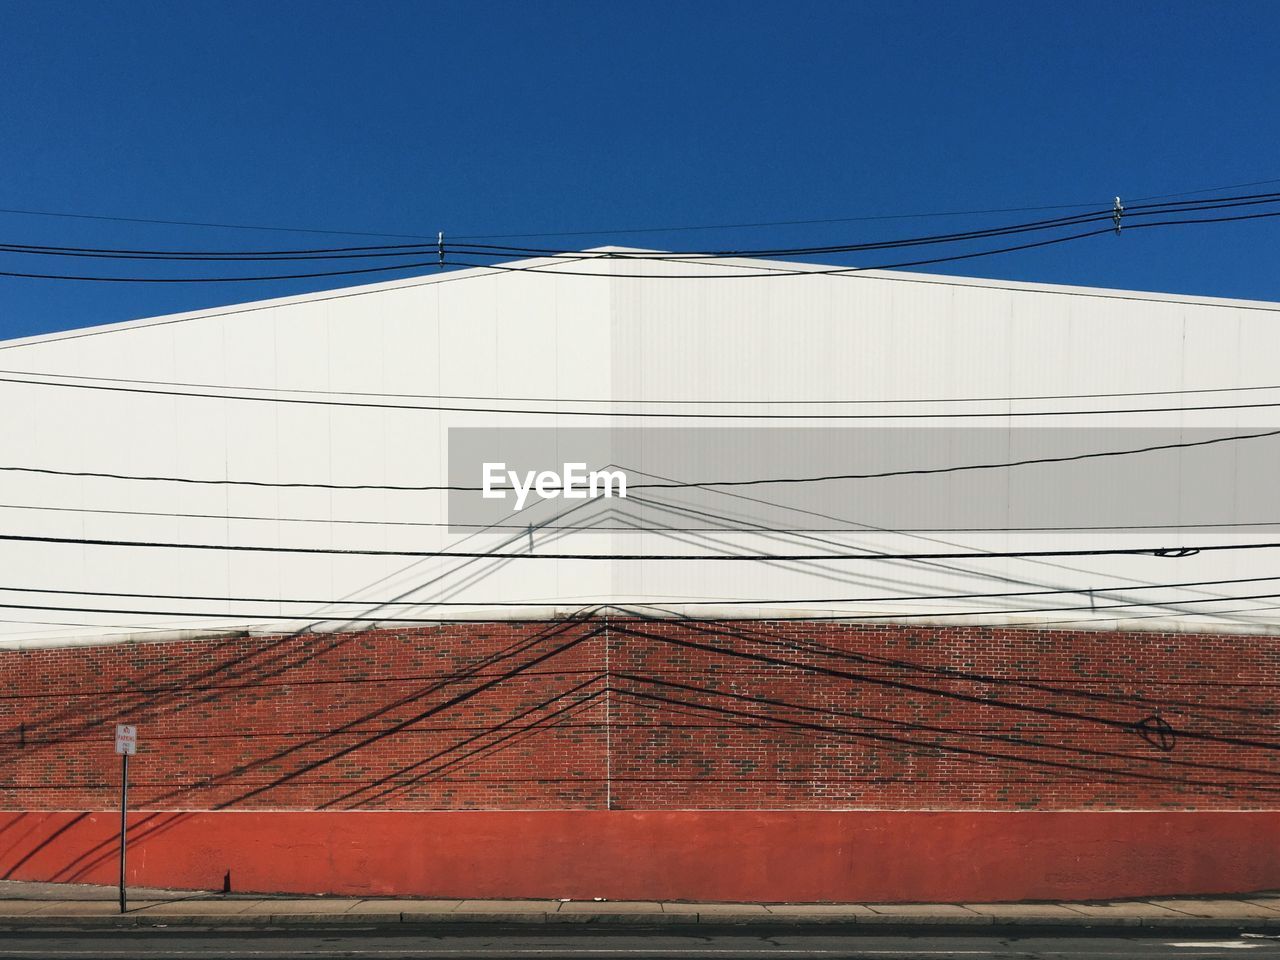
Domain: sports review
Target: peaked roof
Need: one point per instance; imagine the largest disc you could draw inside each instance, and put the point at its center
(603, 262)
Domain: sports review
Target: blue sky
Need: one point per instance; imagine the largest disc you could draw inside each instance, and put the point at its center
(510, 117)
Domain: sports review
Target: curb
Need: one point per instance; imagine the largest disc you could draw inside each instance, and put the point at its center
(671, 922)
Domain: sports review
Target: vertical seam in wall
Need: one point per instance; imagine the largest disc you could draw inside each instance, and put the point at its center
(608, 722)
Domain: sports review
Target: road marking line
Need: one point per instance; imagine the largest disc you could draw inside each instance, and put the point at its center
(1218, 944)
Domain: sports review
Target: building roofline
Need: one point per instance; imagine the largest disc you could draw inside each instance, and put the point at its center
(547, 265)
(247, 306)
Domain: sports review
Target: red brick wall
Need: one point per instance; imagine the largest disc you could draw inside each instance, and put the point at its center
(651, 715)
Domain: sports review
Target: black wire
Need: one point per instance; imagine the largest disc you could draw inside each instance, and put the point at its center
(663, 602)
(860, 616)
(1041, 684)
(680, 485)
(338, 253)
(1165, 552)
(769, 223)
(115, 387)
(928, 471)
(398, 250)
(930, 240)
(260, 256)
(769, 271)
(999, 735)
(278, 276)
(1190, 193)
(221, 226)
(309, 252)
(670, 402)
(668, 229)
(843, 271)
(321, 616)
(902, 685)
(932, 748)
(631, 528)
(615, 275)
(902, 216)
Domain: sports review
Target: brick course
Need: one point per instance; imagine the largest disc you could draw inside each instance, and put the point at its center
(651, 715)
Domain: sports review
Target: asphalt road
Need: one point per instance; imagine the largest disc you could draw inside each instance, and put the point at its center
(196, 944)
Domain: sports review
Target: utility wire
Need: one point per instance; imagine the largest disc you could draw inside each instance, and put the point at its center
(323, 617)
(928, 471)
(929, 240)
(674, 484)
(632, 528)
(276, 276)
(667, 229)
(221, 226)
(676, 601)
(905, 686)
(40, 376)
(626, 231)
(1190, 193)
(443, 262)
(397, 250)
(859, 219)
(768, 271)
(338, 253)
(203, 392)
(1164, 552)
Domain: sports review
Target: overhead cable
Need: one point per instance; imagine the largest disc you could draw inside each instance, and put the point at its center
(402, 250)
(672, 484)
(1174, 552)
(632, 528)
(671, 601)
(120, 385)
(761, 272)
(41, 376)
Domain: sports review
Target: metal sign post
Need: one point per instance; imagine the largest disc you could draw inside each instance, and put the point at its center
(126, 746)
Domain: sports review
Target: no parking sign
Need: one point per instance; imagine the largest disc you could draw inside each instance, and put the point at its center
(126, 739)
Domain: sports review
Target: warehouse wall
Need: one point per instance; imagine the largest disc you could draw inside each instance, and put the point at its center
(303, 436)
(1088, 763)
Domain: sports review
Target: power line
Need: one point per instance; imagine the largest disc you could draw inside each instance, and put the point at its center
(765, 271)
(949, 568)
(276, 228)
(674, 484)
(119, 385)
(929, 471)
(1039, 683)
(976, 612)
(676, 601)
(1108, 214)
(1164, 552)
(1189, 193)
(475, 272)
(967, 754)
(906, 686)
(387, 250)
(858, 219)
(239, 309)
(837, 271)
(441, 247)
(631, 528)
(221, 226)
(277, 276)
(773, 223)
(43, 375)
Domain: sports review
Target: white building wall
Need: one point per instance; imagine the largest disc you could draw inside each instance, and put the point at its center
(864, 337)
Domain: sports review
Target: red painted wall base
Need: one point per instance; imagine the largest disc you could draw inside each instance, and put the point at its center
(676, 855)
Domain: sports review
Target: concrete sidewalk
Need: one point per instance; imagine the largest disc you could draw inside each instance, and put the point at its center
(61, 905)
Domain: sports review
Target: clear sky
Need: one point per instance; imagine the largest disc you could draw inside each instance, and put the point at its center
(521, 117)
